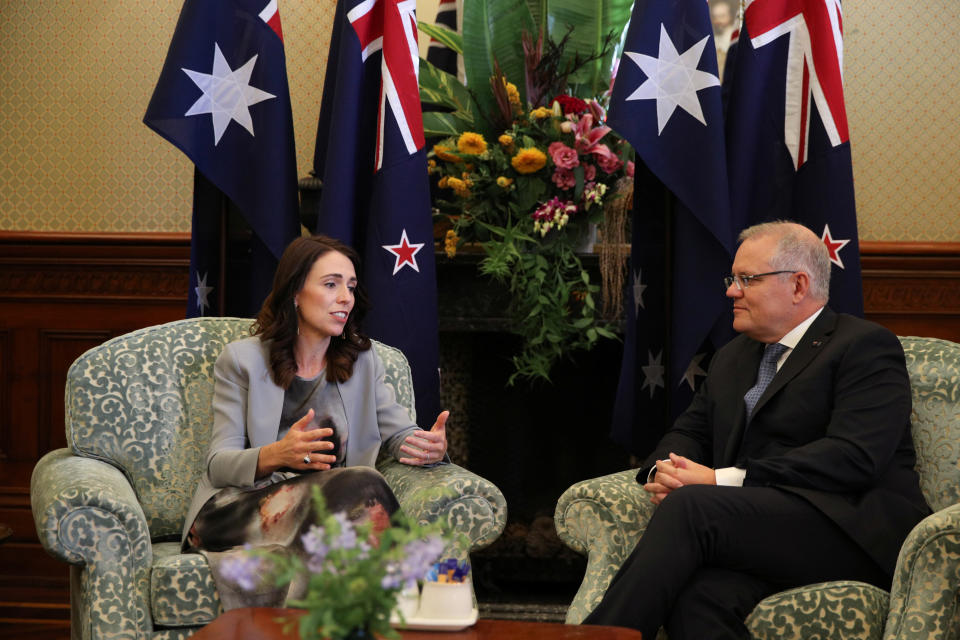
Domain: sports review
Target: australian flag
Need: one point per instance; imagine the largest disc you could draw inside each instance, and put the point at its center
(666, 103)
(222, 99)
(788, 140)
(370, 157)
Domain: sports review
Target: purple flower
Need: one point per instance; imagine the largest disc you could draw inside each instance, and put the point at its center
(419, 556)
(348, 535)
(242, 569)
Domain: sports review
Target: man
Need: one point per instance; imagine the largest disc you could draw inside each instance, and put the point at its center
(763, 488)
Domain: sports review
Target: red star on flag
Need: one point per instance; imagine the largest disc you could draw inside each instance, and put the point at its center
(833, 246)
(405, 253)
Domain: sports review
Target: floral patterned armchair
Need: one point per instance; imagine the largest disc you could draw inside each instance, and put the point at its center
(604, 517)
(138, 416)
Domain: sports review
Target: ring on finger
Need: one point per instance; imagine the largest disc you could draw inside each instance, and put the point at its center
(306, 459)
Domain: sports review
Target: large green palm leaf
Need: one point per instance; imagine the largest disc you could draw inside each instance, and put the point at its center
(491, 32)
(592, 21)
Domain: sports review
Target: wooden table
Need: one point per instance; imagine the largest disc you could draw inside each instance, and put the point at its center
(259, 623)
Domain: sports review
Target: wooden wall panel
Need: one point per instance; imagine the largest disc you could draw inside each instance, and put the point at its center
(58, 350)
(6, 382)
(61, 294)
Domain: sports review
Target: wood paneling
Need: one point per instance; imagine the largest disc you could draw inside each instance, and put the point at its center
(61, 294)
(913, 288)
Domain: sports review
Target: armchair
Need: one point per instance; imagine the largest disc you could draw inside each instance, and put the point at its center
(138, 416)
(604, 517)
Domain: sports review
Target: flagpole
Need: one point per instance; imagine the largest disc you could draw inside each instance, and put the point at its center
(666, 199)
(222, 257)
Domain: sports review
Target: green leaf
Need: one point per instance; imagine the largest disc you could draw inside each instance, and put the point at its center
(606, 333)
(442, 34)
(441, 88)
(593, 20)
(437, 124)
(491, 30)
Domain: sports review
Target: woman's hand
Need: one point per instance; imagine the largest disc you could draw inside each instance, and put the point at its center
(300, 448)
(427, 447)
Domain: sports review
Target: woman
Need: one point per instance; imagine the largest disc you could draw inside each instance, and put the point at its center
(305, 394)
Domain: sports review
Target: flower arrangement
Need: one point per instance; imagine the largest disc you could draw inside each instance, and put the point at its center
(353, 577)
(526, 169)
(530, 199)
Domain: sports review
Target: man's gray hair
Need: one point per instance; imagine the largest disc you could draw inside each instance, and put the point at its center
(798, 249)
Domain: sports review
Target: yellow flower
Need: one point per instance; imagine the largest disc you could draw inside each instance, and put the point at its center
(529, 160)
(504, 182)
(513, 96)
(506, 141)
(540, 113)
(443, 153)
(460, 187)
(431, 165)
(443, 182)
(450, 243)
(472, 143)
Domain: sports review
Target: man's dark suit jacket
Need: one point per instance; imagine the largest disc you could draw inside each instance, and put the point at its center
(833, 427)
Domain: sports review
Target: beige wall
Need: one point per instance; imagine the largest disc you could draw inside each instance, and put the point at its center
(75, 79)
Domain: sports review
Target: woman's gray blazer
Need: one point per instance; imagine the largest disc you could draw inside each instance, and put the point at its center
(246, 416)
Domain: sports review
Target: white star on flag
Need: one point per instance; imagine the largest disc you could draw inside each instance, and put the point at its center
(833, 246)
(227, 94)
(694, 370)
(673, 79)
(405, 253)
(652, 373)
(638, 288)
(203, 293)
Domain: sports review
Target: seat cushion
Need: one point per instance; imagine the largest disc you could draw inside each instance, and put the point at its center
(182, 593)
(843, 610)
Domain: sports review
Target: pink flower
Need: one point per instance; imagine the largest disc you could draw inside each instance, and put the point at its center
(586, 136)
(630, 168)
(596, 110)
(564, 178)
(589, 172)
(563, 156)
(608, 161)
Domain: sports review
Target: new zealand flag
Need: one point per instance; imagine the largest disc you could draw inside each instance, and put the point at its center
(666, 103)
(370, 157)
(788, 140)
(438, 54)
(222, 99)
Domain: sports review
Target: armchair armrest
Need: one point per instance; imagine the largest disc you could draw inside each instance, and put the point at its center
(923, 598)
(87, 514)
(603, 518)
(472, 506)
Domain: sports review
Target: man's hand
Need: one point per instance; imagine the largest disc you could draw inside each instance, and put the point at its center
(675, 473)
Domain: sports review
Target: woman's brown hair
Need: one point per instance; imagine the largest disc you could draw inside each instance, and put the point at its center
(277, 323)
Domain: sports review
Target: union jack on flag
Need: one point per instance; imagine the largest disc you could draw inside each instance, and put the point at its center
(391, 27)
(814, 70)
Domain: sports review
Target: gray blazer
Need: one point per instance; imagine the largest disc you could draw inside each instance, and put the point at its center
(246, 416)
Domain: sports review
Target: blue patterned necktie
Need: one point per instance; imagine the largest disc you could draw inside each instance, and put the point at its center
(768, 369)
